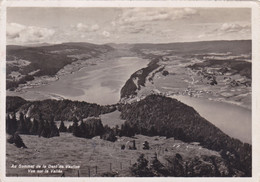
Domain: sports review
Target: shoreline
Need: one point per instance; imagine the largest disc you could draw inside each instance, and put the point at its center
(85, 79)
(232, 119)
(218, 100)
(46, 80)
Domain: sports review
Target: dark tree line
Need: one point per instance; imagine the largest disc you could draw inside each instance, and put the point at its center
(85, 129)
(142, 168)
(203, 166)
(61, 109)
(90, 128)
(25, 125)
(93, 127)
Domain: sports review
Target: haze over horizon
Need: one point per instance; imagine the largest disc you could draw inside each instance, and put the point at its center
(126, 25)
(123, 43)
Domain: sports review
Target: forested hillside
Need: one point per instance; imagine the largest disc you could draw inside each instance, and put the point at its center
(60, 109)
(139, 77)
(153, 116)
(29, 62)
(158, 115)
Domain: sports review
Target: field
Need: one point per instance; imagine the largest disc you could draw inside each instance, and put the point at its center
(218, 77)
(93, 156)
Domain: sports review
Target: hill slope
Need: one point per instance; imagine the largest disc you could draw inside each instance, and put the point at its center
(158, 115)
(155, 115)
(23, 63)
(60, 109)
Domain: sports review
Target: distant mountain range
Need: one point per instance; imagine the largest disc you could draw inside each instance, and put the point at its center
(220, 46)
(46, 59)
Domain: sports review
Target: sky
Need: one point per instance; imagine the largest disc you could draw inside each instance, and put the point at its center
(126, 25)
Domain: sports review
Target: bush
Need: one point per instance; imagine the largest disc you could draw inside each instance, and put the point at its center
(140, 169)
(17, 140)
(165, 73)
(158, 168)
(109, 134)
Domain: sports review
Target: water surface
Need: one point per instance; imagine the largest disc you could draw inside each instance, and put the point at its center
(233, 120)
(99, 83)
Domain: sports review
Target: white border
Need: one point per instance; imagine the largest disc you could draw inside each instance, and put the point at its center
(254, 5)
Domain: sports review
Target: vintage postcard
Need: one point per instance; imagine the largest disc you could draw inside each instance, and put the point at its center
(149, 90)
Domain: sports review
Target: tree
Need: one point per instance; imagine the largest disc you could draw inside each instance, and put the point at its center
(46, 130)
(84, 131)
(28, 124)
(95, 127)
(54, 131)
(140, 169)
(22, 126)
(75, 129)
(40, 125)
(158, 168)
(62, 127)
(34, 127)
(126, 130)
(109, 134)
(152, 131)
(70, 129)
(177, 166)
(117, 130)
(11, 124)
(8, 124)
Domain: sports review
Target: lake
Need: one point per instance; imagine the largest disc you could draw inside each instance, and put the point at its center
(100, 83)
(232, 119)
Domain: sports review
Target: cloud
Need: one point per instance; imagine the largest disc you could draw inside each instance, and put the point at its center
(135, 15)
(143, 28)
(86, 28)
(233, 27)
(147, 20)
(228, 29)
(18, 33)
(106, 34)
(94, 27)
(81, 27)
(137, 30)
(13, 30)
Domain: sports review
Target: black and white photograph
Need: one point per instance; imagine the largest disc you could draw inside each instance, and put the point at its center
(128, 92)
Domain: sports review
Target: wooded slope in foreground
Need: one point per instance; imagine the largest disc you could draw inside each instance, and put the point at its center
(155, 115)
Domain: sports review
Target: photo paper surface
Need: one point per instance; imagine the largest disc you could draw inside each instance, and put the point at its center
(130, 90)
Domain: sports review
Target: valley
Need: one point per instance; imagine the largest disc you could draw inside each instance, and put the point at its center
(133, 91)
